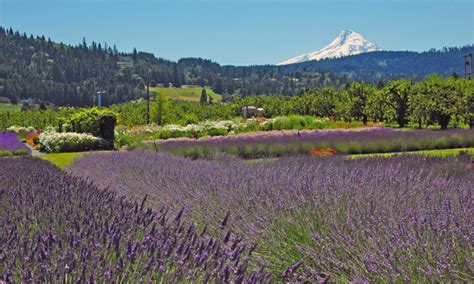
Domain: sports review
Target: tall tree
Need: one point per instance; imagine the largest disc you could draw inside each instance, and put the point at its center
(135, 55)
(203, 99)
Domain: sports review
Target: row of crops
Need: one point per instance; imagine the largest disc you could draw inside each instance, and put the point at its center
(58, 228)
(142, 216)
(380, 220)
(276, 144)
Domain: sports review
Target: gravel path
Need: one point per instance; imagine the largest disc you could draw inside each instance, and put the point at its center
(33, 151)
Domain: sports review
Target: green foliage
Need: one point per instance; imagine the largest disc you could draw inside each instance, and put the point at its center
(203, 99)
(434, 103)
(5, 153)
(397, 97)
(19, 152)
(4, 100)
(97, 122)
(359, 94)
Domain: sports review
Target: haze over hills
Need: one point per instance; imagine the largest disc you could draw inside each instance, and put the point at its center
(346, 43)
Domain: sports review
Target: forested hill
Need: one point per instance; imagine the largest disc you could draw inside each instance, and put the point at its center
(38, 68)
(385, 65)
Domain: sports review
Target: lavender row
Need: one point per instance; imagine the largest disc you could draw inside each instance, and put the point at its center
(380, 219)
(376, 140)
(58, 228)
(10, 142)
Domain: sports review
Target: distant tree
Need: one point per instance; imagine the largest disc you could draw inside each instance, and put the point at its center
(42, 106)
(135, 55)
(211, 100)
(203, 99)
(380, 84)
(176, 77)
(161, 106)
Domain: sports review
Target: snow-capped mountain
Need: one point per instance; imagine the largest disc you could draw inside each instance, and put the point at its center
(346, 43)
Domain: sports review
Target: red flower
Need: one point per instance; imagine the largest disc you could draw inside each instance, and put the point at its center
(323, 152)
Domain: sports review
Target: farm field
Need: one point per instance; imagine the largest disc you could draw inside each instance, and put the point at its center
(188, 94)
(354, 220)
(276, 144)
(349, 164)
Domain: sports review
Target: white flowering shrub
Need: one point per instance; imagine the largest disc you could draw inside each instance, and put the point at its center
(21, 130)
(69, 142)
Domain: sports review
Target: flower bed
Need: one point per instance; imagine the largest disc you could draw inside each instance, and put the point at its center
(275, 144)
(229, 127)
(11, 145)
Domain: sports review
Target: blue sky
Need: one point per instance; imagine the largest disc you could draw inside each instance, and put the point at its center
(243, 32)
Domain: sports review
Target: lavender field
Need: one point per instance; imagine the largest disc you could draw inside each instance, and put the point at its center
(55, 228)
(393, 219)
(276, 144)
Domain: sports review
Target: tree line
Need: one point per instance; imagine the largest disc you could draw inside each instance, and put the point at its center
(66, 75)
(435, 100)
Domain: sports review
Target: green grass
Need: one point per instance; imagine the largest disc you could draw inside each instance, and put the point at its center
(432, 153)
(188, 94)
(61, 160)
(9, 107)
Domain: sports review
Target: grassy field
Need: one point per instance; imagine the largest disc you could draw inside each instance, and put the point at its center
(431, 153)
(189, 94)
(9, 107)
(61, 160)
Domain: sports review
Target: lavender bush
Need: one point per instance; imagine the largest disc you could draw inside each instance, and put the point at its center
(10, 142)
(378, 219)
(57, 228)
(376, 140)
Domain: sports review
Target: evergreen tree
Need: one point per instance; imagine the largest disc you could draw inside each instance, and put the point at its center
(203, 99)
(135, 55)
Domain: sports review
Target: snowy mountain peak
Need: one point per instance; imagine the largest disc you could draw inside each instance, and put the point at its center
(346, 43)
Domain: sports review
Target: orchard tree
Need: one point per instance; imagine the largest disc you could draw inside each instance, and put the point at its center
(324, 103)
(343, 106)
(377, 106)
(443, 98)
(419, 106)
(359, 94)
(465, 105)
(397, 98)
